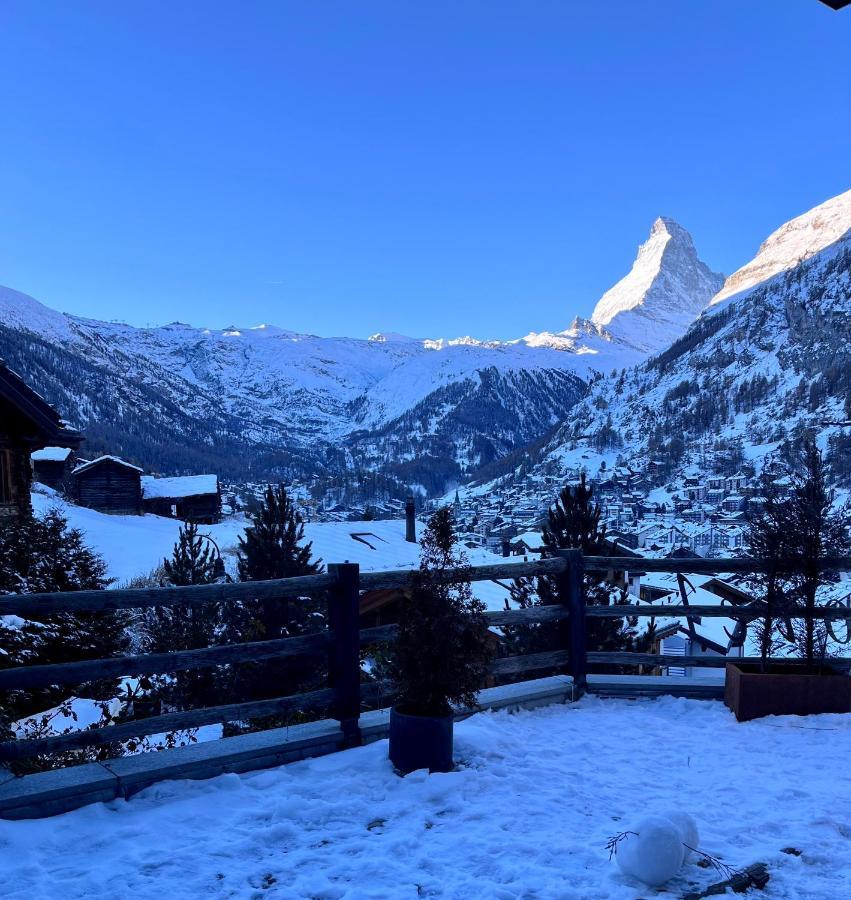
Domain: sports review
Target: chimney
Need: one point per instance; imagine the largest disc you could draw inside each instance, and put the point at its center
(410, 520)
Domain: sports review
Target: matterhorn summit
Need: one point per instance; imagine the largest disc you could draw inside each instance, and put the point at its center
(666, 290)
(792, 243)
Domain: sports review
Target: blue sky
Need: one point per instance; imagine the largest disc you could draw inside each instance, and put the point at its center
(436, 168)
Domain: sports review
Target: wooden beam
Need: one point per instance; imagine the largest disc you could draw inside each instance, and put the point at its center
(23, 677)
(529, 616)
(344, 652)
(572, 591)
(510, 665)
(706, 662)
(174, 721)
(396, 578)
(697, 565)
(749, 612)
(34, 606)
(184, 719)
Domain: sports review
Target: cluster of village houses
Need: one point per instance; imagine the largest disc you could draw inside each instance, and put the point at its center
(703, 515)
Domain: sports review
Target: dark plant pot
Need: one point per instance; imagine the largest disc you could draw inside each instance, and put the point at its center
(785, 689)
(420, 742)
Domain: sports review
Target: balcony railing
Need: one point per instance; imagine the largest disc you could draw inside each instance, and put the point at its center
(348, 693)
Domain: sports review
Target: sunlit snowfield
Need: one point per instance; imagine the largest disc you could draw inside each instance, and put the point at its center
(526, 815)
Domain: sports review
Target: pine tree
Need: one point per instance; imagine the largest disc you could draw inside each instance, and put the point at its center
(440, 654)
(273, 547)
(192, 560)
(796, 533)
(46, 555)
(573, 522)
(819, 531)
(172, 628)
(769, 537)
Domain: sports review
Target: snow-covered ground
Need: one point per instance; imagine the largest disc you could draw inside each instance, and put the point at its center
(130, 545)
(135, 545)
(526, 815)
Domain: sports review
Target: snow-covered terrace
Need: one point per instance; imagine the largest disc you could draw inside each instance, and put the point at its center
(526, 814)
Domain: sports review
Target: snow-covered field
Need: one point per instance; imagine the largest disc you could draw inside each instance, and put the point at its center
(135, 545)
(526, 815)
(130, 545)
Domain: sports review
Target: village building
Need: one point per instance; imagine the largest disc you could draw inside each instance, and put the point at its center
(52, 466)
(192, 498)
(109, 485)
(28, 423)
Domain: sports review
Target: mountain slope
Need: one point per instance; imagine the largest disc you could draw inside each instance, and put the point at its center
(792, 243)
(759, 370)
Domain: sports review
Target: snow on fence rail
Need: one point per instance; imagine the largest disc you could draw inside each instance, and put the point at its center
(343, 639)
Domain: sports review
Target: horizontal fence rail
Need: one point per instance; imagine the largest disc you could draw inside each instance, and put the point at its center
(36, 605)
(746, 612)
(181, 721)
(615, 658)
(343, 640)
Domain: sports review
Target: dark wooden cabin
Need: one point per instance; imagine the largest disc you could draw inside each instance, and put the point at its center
(27, 423)
(192, 498)
(53, 466)
(110, 485)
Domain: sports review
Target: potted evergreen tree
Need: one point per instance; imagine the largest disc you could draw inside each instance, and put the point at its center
(440, 654)
(795, 533)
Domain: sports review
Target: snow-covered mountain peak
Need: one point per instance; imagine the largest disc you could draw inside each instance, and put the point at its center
(792, 243)
(666, 289)
(664, 225)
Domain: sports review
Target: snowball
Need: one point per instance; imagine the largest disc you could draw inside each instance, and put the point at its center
(654, 853)
(688, 829)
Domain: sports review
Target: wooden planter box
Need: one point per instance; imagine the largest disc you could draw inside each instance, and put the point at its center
(785, 689)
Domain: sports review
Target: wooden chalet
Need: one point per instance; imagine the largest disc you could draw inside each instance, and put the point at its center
(192, 498)
(27, 423)
(53, 466)
(109, 485)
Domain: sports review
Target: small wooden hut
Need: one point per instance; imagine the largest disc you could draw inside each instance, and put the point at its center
(192, 498)
(110, 485)
(53, 465)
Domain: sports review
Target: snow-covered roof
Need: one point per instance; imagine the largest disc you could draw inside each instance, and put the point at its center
(381, 545)
(534, 540)
(51, 454)
(181, 486)
(115, 459)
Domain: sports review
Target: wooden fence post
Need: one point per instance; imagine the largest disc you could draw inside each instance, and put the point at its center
(572, 589)
(344, 668)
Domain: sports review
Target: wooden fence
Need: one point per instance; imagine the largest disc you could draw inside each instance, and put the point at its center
(342, 641)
